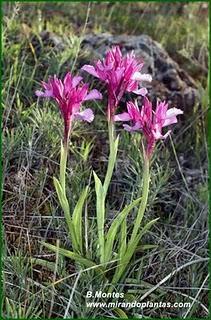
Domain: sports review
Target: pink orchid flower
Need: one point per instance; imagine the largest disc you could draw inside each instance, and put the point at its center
(69, 94)
(148, 121)
(121, 74)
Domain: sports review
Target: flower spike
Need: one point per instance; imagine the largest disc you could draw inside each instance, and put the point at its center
(121, 74)
(69, 95)
(147, 121)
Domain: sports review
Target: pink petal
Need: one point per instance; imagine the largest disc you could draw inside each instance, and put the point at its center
(173, 112)
(68, 82)
(76, 80)
(93, 95)
(133, 110)
(169, 121)
(90, 69)
(82, 92)
(122, 117)
(171, 116)
(160, 112)
(57, 87)
(146, 111)
(47, 93)
(142, 91)
(86, 115)
(158, 135)
(118, 74)
(133, 85)
(117, 54)
(136, 127)
(142, 77)
(39, 93)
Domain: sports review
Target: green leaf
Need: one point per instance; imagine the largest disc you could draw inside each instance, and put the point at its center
(100, 208)
(129, 297)
(145, 192)
(123, 239)
(74, 256)
(44, 263)
(147, 227)
(65, 206)
(111, 163)
(125, 260)
(77, 217)
(132, 245)
(86, 151)
(120, 313)
(60, 194)
(111, 235)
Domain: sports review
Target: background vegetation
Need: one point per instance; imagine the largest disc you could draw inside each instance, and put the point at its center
(31, 145)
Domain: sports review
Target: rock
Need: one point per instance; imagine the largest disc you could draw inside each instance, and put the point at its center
(49, 41)
(52, 40)
(170, 82)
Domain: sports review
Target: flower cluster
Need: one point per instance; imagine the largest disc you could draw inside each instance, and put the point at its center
(69, 95)
(149, 122)
(121, 74)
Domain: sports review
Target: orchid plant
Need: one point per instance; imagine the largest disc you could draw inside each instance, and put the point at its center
(121, 74)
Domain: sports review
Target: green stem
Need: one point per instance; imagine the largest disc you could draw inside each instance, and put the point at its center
(63, 166)
(112, 156)
(63, 155)
(145, 192)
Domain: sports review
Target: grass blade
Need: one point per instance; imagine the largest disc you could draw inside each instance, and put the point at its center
(77, 217)
(100, 208)
(146, 247)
